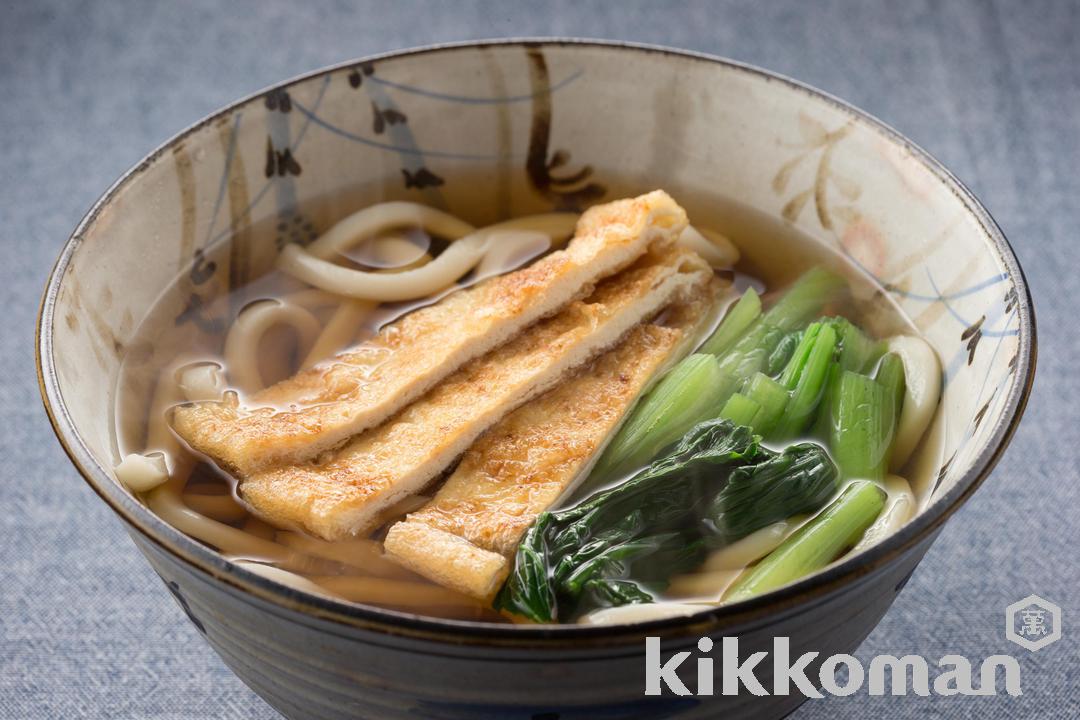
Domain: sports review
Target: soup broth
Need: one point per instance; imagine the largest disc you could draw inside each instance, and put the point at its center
(232, 322)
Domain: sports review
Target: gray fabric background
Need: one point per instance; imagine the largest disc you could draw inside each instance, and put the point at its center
(86, 89)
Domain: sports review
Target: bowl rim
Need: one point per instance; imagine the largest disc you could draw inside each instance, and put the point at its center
(776, 603)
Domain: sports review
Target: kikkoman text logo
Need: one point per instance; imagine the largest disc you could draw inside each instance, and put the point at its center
(887, 674)
(1032, 623)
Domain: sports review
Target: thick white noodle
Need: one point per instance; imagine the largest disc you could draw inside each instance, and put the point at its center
(754, 546)
(459, 258)
(200, 381)
(159, 435)
(166, 503)
(558, 226)
(259, 528)
(706, 587)
(724, 566)
(922, 390)
(378, 219)
(339, 331)
(391, 252)
(713, 247)
(628, 614)
(140, 473)
(297, 582)
(360, 553)
(395, 255)
(899, 508)
(455, 261)
(242, 342)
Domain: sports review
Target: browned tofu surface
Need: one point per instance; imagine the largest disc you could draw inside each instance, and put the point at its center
(465, 537)
(341, 492)
(317, 409)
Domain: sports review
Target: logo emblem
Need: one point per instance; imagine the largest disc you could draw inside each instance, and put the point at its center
(1033, 623)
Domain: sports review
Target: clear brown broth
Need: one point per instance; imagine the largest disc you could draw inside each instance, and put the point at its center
(773, 254)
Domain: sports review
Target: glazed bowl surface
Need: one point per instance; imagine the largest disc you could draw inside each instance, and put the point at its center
(492, 130)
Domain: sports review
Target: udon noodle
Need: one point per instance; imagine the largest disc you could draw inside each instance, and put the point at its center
(372, 267)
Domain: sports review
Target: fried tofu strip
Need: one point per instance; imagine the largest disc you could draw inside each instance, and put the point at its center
(465, 538)
(318, 408)
(342, 493)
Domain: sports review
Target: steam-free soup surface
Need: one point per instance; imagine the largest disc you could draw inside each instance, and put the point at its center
(219, 333)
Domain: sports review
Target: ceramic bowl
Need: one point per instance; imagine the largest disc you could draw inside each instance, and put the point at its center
(491, 129)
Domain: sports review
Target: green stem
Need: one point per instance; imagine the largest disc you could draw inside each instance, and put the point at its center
(740, 410)
(856, 432)
(816, 544)
(805, 299)
(692, 391)
(858, 352)
(808, 385)
(890, 376)
(741, 315)
(772, 397)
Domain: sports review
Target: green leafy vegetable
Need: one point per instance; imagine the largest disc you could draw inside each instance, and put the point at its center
(623, 544)
(781, 356)
(857, 426)
(857, 351)
(804, 300)
(752, 352)
(773, 399)
(736, 321)
(798, 480)
(740, 410)
(808, 381)
(692, 391)
(769, 334)
(816, 544)
(864, 413)
(699, 387)
(794, 367)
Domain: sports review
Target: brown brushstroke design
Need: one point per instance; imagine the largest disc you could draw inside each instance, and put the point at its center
(821, 185)
(826, 142)
(193, 312)
(503, 135)
(101, 331)
(943, 472)
(420, 179)
(185, 178)
(972, 335)
(1010, 300)
(559, 190)
(983, 410)
(201, 268)
(383, 117)
(355, 77)
(278, 99)
(239, 215)
(280, 162)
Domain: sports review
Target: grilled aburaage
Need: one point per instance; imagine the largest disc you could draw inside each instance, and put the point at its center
(545, 420)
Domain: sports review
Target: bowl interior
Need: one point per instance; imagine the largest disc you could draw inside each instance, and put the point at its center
(495, 130)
